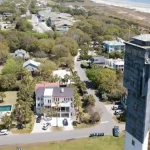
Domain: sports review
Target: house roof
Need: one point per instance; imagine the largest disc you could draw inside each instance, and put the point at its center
(54, 84)
(98, 59)
(32, 62)
(119, 62)
(48, 92)
(21, 53)
(61, 73)
(40, 91)
(114, 43)
(143, 37)
(67, 92)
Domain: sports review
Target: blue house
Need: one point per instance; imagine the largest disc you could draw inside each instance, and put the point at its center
(114, 46)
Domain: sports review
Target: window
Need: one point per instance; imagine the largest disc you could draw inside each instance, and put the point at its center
(38, 98)
(41, 98)
(38, 104)
(54, 98)
(135, 107)
(71, 99)
(64, 98)
(48, 101)
(133, 131)
(132, 83)
(133, 142)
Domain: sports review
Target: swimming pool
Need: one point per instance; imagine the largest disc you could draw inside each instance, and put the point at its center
(5, 108)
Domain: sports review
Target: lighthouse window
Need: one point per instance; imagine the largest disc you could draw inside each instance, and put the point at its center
(133, 142)
(135, 107)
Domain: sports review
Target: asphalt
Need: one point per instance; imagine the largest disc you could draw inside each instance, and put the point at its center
(106, 125)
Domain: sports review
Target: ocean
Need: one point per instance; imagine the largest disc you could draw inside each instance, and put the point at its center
(139, 1)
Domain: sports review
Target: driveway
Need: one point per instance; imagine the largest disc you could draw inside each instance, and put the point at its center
(38, 128)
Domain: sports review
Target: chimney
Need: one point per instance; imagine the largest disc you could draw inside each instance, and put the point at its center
(62, 90)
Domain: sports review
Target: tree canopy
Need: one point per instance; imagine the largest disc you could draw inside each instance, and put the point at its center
(12, 66)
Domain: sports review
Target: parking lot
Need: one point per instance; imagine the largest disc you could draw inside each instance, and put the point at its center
(109, 109)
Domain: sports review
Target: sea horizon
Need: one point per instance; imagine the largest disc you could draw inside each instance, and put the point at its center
(137, 5)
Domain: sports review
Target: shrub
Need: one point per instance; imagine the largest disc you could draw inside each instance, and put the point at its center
(74, 123)
(94, 117)
(85, 119)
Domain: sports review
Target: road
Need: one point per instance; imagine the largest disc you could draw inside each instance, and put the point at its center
(105, 126)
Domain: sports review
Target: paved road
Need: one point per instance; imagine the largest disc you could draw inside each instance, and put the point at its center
(105, 126)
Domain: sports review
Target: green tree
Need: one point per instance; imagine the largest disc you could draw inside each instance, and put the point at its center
(46, 70)
(70, 43)
(12, 66)
(79, 36)
(2, 96)
(46, 45)
(7, 121)
(107, 80)
(3, 52)
(8, 82)
(80, 115)
(23, 25)
(60, 51)
(89, 100)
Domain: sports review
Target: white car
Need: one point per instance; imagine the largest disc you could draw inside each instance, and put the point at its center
(118, 112)
(4, 132)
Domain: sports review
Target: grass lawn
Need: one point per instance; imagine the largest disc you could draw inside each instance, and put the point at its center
(93, 143)
(54, 129)
(83, 125)
(11, 97)
(28, 129)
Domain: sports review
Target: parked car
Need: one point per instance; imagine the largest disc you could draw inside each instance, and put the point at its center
(4, 132)
(38, 119)
(115, 107)
(78, 59)
(118, 112)
(46, 126)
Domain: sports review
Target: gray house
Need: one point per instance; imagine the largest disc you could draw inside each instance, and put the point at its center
(31, 65)
(49, 96)
(21, 53)
(99, 60)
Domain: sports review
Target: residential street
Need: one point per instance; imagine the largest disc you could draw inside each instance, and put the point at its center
(105, 126)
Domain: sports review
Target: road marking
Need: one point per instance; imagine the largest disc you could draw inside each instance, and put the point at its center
(105, 122)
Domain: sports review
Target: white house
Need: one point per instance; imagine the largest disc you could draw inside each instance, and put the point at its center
(31, 65)
(114, 46)
(61, 74)
(114, 63)
(49, 95)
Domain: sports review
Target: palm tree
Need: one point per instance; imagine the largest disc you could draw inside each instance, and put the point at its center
(83, 86)
(57, 108)
(2, 96)
(90, 100)
(80, 115)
